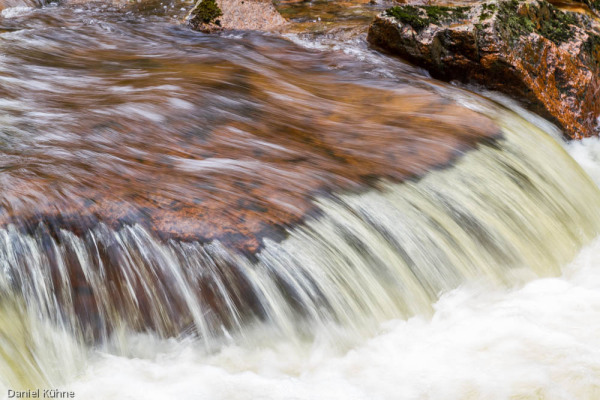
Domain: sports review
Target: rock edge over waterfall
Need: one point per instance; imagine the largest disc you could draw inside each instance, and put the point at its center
(531, 50)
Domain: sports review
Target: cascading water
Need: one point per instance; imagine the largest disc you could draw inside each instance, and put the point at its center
(345, 304)
(508, 212)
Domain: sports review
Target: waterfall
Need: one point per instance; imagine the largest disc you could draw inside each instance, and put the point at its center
(507, 212)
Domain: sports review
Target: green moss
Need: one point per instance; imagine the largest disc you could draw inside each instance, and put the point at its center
(592, 47)
(422, 16)
(489, 7)
(438, 14)
(557, 27)
(487, 11)
(207, 12)
(513, 24)
(592, 44)
(408, 15)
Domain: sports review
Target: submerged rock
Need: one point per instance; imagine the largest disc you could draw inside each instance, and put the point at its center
(4, 4)
(528, 49)
(219, 177)
(213, 15)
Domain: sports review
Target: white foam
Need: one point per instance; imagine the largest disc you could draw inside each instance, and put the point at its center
(541, 341)
(587, 153)
(14, 12)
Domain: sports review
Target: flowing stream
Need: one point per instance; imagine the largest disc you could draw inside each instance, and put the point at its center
(237, 216)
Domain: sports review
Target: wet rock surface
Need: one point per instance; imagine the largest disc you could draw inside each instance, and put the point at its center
(116, 129)
(584, 6)
(240, 180)
(4, 4)
(198, 145)
(531, 50)
(215, 15)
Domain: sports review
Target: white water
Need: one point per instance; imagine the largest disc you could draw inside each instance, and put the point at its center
(483, 341)
(540, 341)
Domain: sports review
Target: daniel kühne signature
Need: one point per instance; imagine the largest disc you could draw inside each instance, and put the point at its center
(40, 394)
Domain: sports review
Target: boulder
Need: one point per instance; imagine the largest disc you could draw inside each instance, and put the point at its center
(531, 50)
(239, 181)
(214, 15)
(207, 173)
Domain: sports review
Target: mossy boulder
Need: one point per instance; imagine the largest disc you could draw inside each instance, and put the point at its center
(421, 16)
(214, 15)
(530, 49)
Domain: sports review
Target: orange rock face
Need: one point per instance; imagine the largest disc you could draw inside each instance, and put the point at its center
(242, 180)
(235, 178)
(531, 50)
(198, 144)
(197, 138)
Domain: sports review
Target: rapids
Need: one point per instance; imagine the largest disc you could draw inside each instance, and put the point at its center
(285, 215)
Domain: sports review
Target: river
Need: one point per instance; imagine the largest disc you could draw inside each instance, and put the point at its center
(284, 215)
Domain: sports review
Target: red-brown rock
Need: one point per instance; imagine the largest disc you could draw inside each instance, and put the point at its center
(531, 50)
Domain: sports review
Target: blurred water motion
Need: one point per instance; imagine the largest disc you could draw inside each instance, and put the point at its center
(211, 187)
